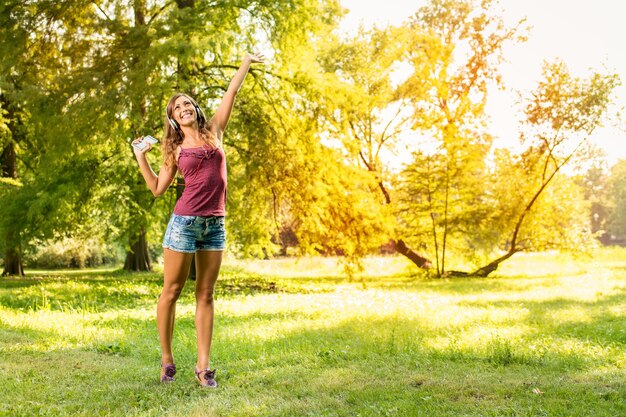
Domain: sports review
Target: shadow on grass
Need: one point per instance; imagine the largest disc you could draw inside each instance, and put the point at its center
(243, 338)
(119, 290)
(236, 281)
(97, 293)
(81, 273)
(16, 337)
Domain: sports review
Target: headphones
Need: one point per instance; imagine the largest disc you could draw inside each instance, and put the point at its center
(199, 114)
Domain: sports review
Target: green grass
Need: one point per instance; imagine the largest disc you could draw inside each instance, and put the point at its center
(545, 336)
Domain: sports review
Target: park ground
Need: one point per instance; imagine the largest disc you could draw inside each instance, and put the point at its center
(544, 336)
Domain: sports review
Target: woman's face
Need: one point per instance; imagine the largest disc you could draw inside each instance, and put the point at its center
(184, 112)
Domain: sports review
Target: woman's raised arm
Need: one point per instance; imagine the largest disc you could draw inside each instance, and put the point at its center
(222, 115)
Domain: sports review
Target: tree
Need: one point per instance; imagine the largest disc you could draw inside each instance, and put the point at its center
(115, 66)
(29, 38)
(367, 115)
(561, 114)
(454, 48)
(616, 227)
(594, 182)
(12, 132)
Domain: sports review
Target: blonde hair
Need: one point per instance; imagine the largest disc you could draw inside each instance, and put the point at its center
(174, 137)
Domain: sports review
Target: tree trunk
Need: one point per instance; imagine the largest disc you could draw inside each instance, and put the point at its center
(182, 4)
(492, 266)
(138, 258)
(513, 249)
(416, 258)
(9, 161)
(13, 264)
(385, 192)
(484, 271)
(399, 244)
(13, 260)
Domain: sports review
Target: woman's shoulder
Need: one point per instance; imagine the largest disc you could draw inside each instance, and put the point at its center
(215, 130)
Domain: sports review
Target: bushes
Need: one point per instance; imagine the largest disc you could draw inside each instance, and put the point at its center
(71, 253)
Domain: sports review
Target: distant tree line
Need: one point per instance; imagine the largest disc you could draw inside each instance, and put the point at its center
(310, 142)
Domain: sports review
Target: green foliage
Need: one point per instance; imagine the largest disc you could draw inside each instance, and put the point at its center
(309, 130)
(578, 105)
(286, 181)
(561, 113)
(460, 195)
(559, 218)
(361, 110)
(71, 253)
(443, 207)
(108, 82)
(617, 187)
(594, 182)
(454, 48)
(346, 216)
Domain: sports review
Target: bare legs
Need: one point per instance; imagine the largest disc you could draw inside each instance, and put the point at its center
(207, 269)
(176, 268)
(175, 274)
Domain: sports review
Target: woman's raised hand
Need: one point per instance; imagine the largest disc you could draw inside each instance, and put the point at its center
(256, 57)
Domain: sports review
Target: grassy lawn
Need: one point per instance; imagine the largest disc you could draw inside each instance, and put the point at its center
(545, 336)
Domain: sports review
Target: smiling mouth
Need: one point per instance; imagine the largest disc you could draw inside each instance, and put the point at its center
(186, 115)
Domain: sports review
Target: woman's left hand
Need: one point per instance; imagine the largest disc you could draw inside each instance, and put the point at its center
(256, 57)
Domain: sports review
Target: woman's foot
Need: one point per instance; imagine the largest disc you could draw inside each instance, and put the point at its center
(168, 372)
(206, 377)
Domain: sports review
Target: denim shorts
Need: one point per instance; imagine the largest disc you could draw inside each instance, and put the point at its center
(193, 233)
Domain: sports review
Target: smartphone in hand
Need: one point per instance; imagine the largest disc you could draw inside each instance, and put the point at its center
(143, 143)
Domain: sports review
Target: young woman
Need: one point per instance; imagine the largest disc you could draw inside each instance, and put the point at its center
(193, 145)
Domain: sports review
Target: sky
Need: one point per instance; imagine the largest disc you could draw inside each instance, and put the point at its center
(585, 34)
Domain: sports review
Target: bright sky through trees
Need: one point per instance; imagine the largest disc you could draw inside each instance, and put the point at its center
(583, 33)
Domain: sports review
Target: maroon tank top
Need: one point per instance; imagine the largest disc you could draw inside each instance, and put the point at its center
(204, 170)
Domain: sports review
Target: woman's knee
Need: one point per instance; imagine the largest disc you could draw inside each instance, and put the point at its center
(204, 295)
(171, 293)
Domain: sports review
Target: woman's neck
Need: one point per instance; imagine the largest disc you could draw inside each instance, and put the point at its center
(191, 135)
